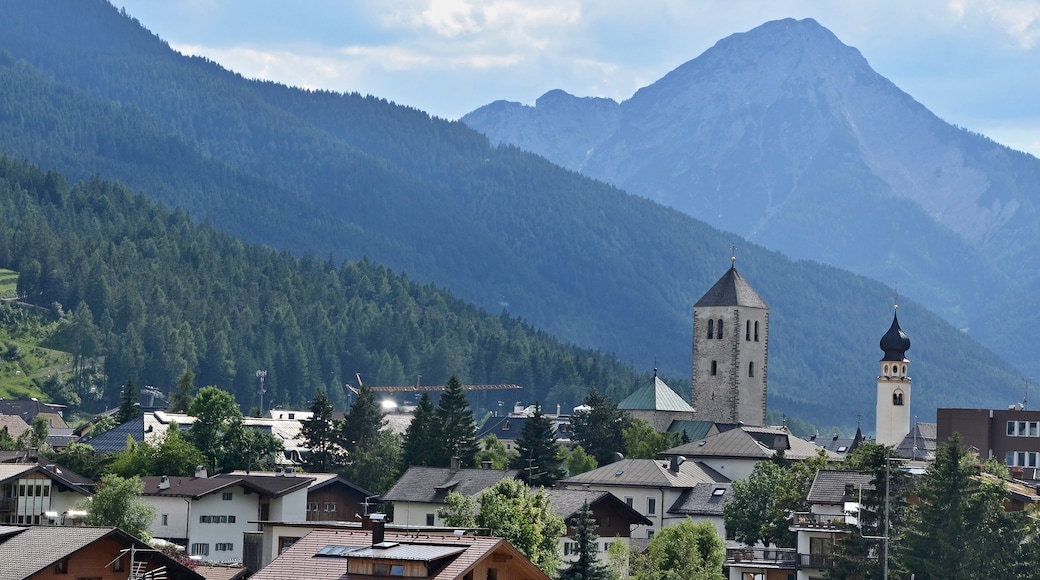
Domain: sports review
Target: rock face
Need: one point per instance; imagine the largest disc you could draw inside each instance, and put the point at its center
(787, 137)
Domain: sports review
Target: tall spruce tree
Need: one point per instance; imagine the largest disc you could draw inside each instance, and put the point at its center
(539, 452)
(420, 438)
(600, 429)
(128, 406)
(587, 566)
(321, 435)
(457, 427)
(363, 422)
(185, 389)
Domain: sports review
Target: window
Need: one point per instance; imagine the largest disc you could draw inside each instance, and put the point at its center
(505, 425)
(429, 519)
(166, 519)
(897, 398)
(61, 566)
(651, 506)
(200, 549)
(312, 507)
(714, 368)
(21, 490)
(226, 496)
(1023, 459)
(756, 331)
(751, 369)
(492, 574)
(1011, 429)
(628, 500)
(46, 490)
(718, 333)
(649, 534)
(747, 331)
(285, 542)
(711, 328)
(30, 490)
(330, 507)
(231, 519)
(117, 564)
(222, 519)
(224, 547)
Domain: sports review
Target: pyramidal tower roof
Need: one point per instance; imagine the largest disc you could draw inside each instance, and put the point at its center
(732, 290)
(655, 396)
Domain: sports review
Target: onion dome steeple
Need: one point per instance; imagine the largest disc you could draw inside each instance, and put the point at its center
(895, 342)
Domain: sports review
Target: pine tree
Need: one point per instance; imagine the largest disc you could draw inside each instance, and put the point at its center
(539, 452)
(185, 388)
(600, 430)
(586, 567)
(321, 435)
(128, 406)
(420, 438)
(363, 422)
(457, 427)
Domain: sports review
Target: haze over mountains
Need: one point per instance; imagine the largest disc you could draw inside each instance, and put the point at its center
(786, 136)
(88, 91)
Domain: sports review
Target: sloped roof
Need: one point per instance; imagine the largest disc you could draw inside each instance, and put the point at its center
(567, 503)
(704, 499)
(114, 440)
(694, 429)
(655, 396)
(68, 479)
(750, 443)
(318, 480)
(732, 290)
(14, 424)
(455, 555)
(38, 547)
(828, 486)
(197, 487)
(504, 428)
(919, 443)
(647, 473)
(432, 484)
(28, 408)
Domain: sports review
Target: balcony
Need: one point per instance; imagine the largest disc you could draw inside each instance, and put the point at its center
(815, 561)
(823, 522)
(777, 558)
(8, 505)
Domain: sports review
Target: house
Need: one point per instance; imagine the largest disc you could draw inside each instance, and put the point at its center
(650, 486)
(657, 404)
(734, 452)
(1010, 435)
(506, 429)
(39, 552)
(330, 498)
(421, 491)
(692, 430)
(840, 445)
(703, 503)
(614, 518)
(31, 493)
(833, 503)
(14, 425)
(29, 409)
(342, 553)
(919, 444)
(208, 515)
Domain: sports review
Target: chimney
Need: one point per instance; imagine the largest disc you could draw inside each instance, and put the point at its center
(200, 471)
(164, 482)
(485, 464)
(377, 528)
(456, 463)
(675, 462)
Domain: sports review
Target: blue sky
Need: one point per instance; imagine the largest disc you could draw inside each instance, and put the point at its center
(976, 64)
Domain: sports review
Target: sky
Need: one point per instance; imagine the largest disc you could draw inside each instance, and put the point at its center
(974, 63)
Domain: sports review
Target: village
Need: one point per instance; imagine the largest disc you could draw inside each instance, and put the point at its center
(288, 522)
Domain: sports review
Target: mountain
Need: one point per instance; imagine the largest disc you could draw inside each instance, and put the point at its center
(787, 137)
(89, 92)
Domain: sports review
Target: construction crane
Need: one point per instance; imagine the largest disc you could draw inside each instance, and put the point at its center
(419, 388)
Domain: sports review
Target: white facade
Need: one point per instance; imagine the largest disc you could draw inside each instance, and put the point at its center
(893, 402)
(411, 513)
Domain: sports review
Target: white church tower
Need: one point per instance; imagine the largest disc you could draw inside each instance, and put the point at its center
(893, 387)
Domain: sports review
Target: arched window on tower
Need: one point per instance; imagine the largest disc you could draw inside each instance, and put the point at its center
(711, 328)
(747, 331)
(904, 370)
(756, 331)
(718, 334)
(751, 369)
(897, 398)
(714, 368)
(884, 372)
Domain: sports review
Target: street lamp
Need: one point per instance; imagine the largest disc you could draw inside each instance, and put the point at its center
(261, 375)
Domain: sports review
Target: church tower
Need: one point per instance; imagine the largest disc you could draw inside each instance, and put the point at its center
(730, 352)
(893, 387)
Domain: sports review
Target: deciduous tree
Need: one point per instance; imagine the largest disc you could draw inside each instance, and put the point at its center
(116, 503)
(685, 551)
(511, 510)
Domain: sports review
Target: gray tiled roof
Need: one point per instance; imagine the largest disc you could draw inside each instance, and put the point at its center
(114, 440)
(750, 443)
(919, 443)
(68, 479)
(432, 484)
(694, 429)
(504, 428)
(655, 396)
(197, 487)
(647, 473)
(732, 290)
(829, 485)
(703, 500)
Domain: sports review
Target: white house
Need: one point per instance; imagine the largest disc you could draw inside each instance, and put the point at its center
(421, 491)
(208, 515)
(31, 493)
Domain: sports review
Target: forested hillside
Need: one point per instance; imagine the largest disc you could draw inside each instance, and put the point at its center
(146, 294)
(346, 176)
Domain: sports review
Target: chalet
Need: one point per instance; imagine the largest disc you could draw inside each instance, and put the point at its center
(330, 498)
(614, 518)
(421, 491)
(31, 493)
